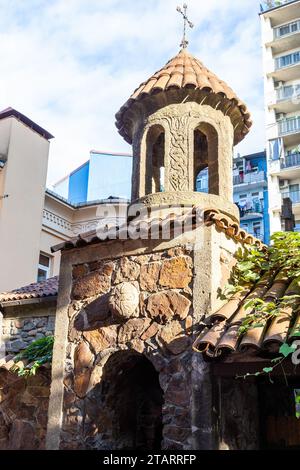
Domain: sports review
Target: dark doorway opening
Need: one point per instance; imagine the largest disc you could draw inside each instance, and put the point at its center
(133, 397)
(280, 429)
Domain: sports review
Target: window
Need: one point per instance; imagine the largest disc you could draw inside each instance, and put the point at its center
(287, 60)
(243, 196)
(297, 226)
(206, 166)
(257, 229)
(43, 268)
(155, 171)
(255, 194)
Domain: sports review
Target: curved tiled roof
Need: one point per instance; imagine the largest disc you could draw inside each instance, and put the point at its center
(221, 336)
(183, 71)
(209, 216)
(36, 290)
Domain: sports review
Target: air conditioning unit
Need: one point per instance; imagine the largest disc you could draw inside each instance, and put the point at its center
(280, 116)
(283, 183)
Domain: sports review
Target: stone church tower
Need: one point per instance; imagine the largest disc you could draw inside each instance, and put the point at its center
(124, 374)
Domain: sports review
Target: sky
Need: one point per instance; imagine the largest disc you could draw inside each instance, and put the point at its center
(69, 65)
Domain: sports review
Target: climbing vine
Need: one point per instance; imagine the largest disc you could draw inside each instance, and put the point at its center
(282, 256)
(39, 352)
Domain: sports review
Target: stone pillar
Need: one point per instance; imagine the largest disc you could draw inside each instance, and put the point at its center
(179, 122)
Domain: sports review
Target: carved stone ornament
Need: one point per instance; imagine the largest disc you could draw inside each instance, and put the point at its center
(124, 300)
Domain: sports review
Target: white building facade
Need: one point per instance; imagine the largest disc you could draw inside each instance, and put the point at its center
(33, 218)
(280, 22)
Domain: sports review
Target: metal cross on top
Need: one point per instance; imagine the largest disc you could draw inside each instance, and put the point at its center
(186, 21)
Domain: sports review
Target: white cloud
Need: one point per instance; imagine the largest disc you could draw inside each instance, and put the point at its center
(70, 64)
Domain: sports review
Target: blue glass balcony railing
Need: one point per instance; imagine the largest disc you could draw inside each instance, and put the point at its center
(288, 92)
(251, 177)
(293, 195)
(270, 4)
(287, 60)
(289, 126)
(253, 207)
(287, 29)
(290, 161)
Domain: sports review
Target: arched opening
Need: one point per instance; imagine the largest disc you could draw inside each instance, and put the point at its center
(132, 399)
(206, 165)
(155, 166)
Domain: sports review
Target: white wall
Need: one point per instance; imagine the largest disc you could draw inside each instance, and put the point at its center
(24, 179)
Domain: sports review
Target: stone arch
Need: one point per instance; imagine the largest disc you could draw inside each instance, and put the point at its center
(206, 158)
(155, 159)
(129, 401)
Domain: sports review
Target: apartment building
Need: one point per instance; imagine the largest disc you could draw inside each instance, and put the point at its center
(250, 193)
(104, 175)
(33, 218)
(280, 23)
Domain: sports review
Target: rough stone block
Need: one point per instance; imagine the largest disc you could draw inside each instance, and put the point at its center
(176, 273)
(164, 306)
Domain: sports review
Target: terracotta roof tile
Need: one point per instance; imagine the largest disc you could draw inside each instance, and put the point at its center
(221, 334)
(37, 290)
(184, 70)
(222, 222)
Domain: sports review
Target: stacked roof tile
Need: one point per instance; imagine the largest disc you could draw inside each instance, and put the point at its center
(185, 71)
(222, 334)
(156, 226)
(37, 290)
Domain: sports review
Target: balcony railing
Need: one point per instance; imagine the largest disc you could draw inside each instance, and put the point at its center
(288, 92)
(287, 60)
(290, 161)
(253, 207)
(247, 178)
(270, 4)
(289, 126)
(287, 29)
(293, 195)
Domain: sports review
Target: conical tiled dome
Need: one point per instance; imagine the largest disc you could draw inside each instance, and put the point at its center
(185, 71)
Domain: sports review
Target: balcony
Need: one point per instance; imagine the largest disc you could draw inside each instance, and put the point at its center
(287, 29)
(250, 209)
(287, 67)
(270, 4)
(289, 126)
(288, 93)
(290, 161)
(250, 178)
(293, 195)
(287, 60)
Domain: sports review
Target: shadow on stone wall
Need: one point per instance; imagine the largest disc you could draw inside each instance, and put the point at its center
(24, 410)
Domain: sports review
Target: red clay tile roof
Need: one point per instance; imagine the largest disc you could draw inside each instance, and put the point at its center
(221, 336)
(183, 71)
(211, 216)
(37, 290)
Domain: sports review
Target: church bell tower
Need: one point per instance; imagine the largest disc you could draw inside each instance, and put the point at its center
(181, 121)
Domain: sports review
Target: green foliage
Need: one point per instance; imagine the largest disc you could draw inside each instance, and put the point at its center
(39, 352)
(282, 256)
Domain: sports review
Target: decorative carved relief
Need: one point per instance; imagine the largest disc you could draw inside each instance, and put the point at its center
(124, 300)
(178, 153)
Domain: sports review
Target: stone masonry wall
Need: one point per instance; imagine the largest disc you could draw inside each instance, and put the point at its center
(24, 410)
(23, 324)
(140, 304)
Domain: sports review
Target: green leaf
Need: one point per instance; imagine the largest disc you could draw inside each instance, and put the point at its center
(286, 350)
(267, 370)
